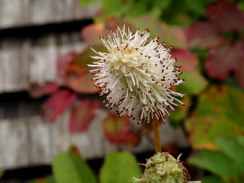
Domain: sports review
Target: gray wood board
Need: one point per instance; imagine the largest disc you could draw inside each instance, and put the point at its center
(19, 13)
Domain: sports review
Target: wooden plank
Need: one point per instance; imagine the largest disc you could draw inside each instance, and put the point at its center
(41, 11)
(14, 144)
(14, 65)
(40, 145)
(97, 141)
(64, 10)
(85, 12)
(43, 60)
(77, 43)
(60, 137)
(67, 43)
(14, 12)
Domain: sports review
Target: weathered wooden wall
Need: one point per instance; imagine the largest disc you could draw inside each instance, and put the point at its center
(24, 61)
(15, 13)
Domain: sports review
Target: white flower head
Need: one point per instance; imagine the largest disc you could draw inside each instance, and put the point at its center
(137, 75)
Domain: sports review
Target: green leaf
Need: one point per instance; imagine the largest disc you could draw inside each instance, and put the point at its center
(70, 167)
(158, 6)
(241, 140)
(138, 8)
(211, 179)
(223, 101)
(176, 13)
(178, 115)
(1, 173)
(216, 162)
(219, 109)
(114, 8)
(119, 168)
(204, 129)
(87, 2)
(198, 7)
(194, 84)
(159, 3)
(233, 149)
(241, 5)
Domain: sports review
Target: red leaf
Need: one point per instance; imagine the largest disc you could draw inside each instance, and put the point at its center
(222, 60)
(188, 60)
(77, 76)
(57, 104)
(225, 16)
(37, 90)
(131, 138)
(115, 128)
(112, 23)
(239, 74)
(62, 63)
(203, 35)
(91, 33)
(82, 116)
(84, 85)
(41, 180)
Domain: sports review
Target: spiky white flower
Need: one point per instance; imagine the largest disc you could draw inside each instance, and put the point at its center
(137, 75)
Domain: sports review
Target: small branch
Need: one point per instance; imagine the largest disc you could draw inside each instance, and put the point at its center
(156, 132)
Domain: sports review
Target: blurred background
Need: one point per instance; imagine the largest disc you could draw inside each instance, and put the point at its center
(48, 103)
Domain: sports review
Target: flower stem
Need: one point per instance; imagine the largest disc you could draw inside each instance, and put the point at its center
(156, 132)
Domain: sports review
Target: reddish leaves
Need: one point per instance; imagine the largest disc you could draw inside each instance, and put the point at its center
(115, 127)
(225, 16)
(78, 77)
(92, 32)
(73, 72)
(117, 132)
(82, 116)
(222, 60)
(57, 104)
(37, 90)
(226, 53)
(240, 73)
(62, 63)
(203, 35)
(131, 138)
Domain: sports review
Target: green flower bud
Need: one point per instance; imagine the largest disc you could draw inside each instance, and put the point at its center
(163, 168)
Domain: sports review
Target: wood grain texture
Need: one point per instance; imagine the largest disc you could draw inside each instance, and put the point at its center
(16, 13)
(42, 63)
(14, 143)
(28, 141)
(39, 141)
(13, 65)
